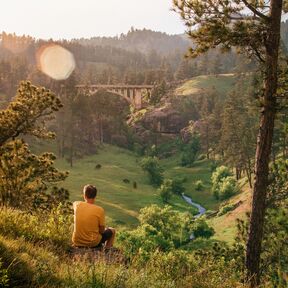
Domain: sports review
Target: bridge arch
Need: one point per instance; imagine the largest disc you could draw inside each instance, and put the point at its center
(132, 93)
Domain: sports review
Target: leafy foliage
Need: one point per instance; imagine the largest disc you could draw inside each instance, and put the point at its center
(225, 209)
(160, 228)
(190, 151)
(224, 185)
(202, 229)
(199, 185)
(155, 171)
(165, 190)
(177, 185)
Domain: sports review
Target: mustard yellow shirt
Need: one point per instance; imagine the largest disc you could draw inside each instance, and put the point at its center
(87, 219)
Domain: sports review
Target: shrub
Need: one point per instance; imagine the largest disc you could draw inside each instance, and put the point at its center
(190, 151)
(199, 185)
(98, 166)
(155, 171)
(228, 188)
(223, 184)
(160, 228)
(165, 190)
(126, 181)
(225, 209)
(177, 185)
(202, 229)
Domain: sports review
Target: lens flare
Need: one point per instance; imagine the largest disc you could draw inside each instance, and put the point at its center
(55, 61)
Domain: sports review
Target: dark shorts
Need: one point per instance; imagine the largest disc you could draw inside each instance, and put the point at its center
(106, 235)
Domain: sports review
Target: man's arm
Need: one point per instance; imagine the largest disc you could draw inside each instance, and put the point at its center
(102, 222)
(101, 229)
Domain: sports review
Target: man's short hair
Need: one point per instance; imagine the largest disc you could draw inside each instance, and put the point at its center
(90, 191)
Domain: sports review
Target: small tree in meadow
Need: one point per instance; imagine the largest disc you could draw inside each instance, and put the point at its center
(191, 151)
(177, 186)
(154, 170)
(165, 190)
(199, 185)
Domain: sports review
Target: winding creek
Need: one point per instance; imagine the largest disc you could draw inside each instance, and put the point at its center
(201, 209)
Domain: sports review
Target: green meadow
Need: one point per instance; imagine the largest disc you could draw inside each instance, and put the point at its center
(122, 201)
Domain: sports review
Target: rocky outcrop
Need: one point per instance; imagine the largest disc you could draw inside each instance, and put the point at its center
(164, 120)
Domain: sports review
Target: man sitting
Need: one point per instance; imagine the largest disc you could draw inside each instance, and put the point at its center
(89, 222)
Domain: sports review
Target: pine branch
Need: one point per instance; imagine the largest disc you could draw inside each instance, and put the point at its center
(255, 11)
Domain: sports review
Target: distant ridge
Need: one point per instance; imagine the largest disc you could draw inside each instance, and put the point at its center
(142, 40)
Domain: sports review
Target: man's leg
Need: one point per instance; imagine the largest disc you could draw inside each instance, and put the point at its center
(108, 237)
(110, 241)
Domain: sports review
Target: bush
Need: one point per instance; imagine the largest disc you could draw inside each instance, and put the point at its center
(165, 190)
(155, 171)
(202, 229)
(190, 151)
(223, 184)
(98, 166)
(228, 188)
(225, 209)
(160, 228)
(177, 186)
(199, 185)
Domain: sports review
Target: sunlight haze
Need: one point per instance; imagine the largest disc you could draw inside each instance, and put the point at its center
(87, 18)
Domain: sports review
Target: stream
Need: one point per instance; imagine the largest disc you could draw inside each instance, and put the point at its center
(201, 209)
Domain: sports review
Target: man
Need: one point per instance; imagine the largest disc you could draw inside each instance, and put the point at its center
(89, 222)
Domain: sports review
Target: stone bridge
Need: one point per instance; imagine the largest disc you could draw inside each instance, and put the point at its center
(132, 93)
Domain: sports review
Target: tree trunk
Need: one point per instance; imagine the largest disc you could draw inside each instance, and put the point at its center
(264, 144)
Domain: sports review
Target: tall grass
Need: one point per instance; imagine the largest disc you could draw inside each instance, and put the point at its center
(33, 249)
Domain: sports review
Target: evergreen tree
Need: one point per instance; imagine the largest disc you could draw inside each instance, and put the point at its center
(238, 134)
(257, 32)
(24, 176)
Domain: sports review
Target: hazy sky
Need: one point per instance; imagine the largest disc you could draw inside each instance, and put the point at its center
(86, 18)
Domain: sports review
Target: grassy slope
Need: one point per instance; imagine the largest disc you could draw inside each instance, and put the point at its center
(121, 201)
(225, 225)
(223, 83)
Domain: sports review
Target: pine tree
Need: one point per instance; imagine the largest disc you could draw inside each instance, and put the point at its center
(24, 176)
(253, 27)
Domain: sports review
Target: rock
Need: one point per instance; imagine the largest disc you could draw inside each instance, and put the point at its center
(163, 120)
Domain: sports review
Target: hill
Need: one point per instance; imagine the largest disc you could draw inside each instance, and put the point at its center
(222, 83)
